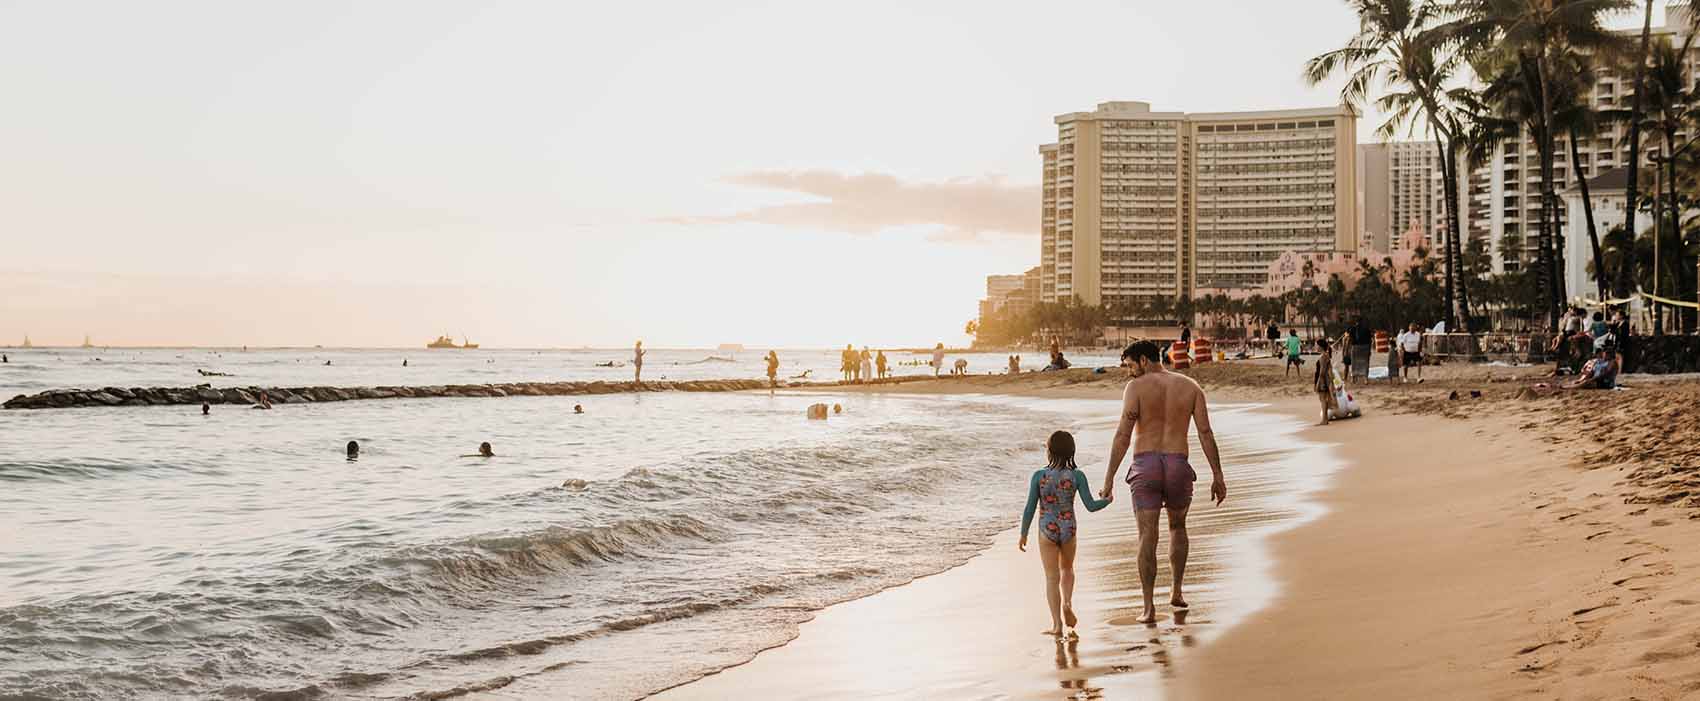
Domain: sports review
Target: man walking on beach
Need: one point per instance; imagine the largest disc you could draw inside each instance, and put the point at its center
(1294, 348)
(1157, 406)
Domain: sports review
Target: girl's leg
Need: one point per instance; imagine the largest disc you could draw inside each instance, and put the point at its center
(1065, 565)
(1048, 554)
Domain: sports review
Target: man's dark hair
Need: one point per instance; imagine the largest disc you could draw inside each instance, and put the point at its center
(1143, 349)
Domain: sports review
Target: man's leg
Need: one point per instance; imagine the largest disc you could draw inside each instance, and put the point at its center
(1177, 554)
(1148, 562)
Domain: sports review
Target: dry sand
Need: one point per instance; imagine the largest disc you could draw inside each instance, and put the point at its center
(1507, 546)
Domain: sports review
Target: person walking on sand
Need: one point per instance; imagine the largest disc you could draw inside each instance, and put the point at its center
(1157, 407)
(637, 363)
(1294, 348)
(938, 359)
(1323, 380)
(1051, 492)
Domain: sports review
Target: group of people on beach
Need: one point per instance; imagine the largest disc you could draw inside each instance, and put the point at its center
(1159, 409)
(863, 366)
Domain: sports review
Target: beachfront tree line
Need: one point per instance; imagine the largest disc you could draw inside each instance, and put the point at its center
(1380, 294)
(1475, 74)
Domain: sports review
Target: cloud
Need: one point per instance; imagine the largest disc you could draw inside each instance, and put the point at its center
(962, 209)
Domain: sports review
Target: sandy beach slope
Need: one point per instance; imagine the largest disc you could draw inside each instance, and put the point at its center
(1506, 546)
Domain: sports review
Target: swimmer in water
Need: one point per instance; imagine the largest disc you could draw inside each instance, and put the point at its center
(206, 409)
(484, 451)
(1052, 491)
(353, 451)
(578, 408)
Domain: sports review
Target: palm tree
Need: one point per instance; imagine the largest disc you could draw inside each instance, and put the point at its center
(1624, 273)
(1528, 41)
(1672, 106)
(1394, 48)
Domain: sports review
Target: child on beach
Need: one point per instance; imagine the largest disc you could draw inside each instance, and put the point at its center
(1052, 491)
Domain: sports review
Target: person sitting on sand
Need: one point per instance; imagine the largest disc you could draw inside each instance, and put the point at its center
(1051, 491)
(1159, 409)
(1599, 373)
(1324, 380)
(1058, 362)
(1294, 348)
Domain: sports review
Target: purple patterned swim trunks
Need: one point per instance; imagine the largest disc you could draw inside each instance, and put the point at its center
(1161, 479)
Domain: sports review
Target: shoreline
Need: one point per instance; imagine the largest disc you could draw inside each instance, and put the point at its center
(972, 630)
(1515, 544)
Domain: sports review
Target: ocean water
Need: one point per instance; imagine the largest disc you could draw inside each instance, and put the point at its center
(40, 369)
(150, 552)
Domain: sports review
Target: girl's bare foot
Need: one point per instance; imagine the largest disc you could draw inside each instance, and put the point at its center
(1176, 601)
(1054, 631)
(1149, 617)
(1068, 615)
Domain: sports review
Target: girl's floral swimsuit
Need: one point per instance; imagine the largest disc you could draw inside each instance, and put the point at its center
(1054, 490)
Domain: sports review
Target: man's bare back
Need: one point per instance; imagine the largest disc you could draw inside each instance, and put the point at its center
(1161, 405)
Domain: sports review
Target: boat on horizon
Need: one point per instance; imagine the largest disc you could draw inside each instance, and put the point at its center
(446, 342)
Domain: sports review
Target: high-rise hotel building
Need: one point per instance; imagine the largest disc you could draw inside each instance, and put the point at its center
(1165, 204)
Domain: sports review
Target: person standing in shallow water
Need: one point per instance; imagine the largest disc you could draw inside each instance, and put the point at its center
(772, 369)
(880, 364)
(637, 363)
(1159, 408)
(938, 359)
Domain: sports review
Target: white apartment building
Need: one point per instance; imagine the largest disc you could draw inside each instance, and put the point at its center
(1505, 192)
(1158, 204)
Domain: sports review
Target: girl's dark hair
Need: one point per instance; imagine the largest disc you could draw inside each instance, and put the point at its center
(1059, 451)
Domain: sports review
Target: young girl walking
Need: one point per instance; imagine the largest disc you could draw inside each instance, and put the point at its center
(1051, 491)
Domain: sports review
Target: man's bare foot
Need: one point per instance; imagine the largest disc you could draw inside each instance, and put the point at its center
(1149, 617)
(1054, 631)
(1177, 602)
(1069, 617)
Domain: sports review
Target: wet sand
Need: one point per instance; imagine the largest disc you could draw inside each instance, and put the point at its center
(975, 631)
(1503, 547)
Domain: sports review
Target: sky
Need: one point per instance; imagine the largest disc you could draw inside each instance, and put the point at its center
(563, 174)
